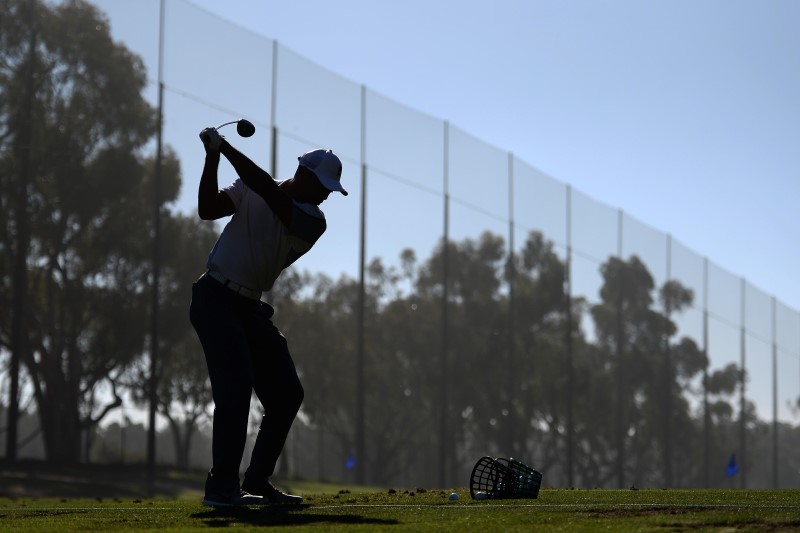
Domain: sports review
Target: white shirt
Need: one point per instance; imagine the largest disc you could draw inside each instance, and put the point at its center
(255, 245)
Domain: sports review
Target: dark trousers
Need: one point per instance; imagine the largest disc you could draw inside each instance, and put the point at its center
(244, 352)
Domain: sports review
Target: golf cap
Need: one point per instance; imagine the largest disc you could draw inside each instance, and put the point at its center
(326, 166)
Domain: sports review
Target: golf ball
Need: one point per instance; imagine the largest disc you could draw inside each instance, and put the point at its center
(454, 496)
(481, 495)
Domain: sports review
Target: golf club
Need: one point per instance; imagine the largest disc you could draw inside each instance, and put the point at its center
(244, 127)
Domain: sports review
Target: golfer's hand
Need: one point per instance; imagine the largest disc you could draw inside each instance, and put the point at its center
(211, 139)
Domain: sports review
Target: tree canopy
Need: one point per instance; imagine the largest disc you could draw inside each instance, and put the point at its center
(494, 358)
(74, 129)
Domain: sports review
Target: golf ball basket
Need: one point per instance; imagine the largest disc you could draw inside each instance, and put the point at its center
(499, 478)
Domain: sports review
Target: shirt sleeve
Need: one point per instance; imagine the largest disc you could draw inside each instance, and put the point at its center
(236, 192)
(305, 231)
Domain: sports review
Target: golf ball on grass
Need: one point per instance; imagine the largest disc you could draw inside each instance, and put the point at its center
(481, 495)
(453, 496)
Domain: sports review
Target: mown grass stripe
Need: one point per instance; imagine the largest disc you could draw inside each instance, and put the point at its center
(563, 505)
(312, 507)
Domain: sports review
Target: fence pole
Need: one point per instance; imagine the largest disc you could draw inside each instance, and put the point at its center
(511, 385)
(444, 392)
(620, 429)
(19, 334)
(774, 395)
(273, 156)
(742, 383)
(154, 313)
(706, 413)
(668, 377)
(568, 346)
(360, 393)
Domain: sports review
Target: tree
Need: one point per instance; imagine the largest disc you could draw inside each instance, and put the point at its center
(403, 338)
(317, 316)
(88, 204)
(401, 342)
(540, 386)
(651, 388)
(184, 393)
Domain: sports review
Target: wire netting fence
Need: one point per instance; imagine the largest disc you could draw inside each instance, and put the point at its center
(425, 180)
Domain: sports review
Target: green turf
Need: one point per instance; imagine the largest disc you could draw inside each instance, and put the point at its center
(421, 510)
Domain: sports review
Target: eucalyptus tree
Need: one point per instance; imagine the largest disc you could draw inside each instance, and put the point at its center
(74, 129)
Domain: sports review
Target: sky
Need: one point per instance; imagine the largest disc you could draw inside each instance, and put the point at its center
(685, 114)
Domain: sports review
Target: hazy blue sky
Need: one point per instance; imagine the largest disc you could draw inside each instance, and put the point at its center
(685, 114)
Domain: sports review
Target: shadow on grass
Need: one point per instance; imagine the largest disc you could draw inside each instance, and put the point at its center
(280, 516)
(38, 479)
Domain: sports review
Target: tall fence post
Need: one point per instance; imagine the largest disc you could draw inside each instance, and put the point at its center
(444, 392)
(774, 395)
(742, 384)
(706, 413)
(19, 323)
(273, 156)
(360, 356)
(154, 313)
(668, 481)
(568, 346)
(620, 426)
(511, 385)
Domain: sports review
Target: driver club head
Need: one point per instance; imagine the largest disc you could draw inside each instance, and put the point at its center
(245, 128)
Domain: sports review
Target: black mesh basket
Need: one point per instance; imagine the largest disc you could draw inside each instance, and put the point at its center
(499, 478)
(527, 480)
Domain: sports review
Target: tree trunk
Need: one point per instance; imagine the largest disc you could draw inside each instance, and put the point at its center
(61, 430)
(19, 338)
(189, 425)
(175, 429)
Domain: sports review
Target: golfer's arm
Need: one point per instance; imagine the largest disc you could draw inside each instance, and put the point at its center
(259, 182)
(212, 203)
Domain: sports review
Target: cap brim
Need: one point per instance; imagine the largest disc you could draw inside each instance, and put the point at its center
(331, 184)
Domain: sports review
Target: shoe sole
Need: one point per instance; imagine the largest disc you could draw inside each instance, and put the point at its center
(214, 503)
(267, 501)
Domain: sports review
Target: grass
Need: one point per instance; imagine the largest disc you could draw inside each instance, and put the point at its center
(37, 497)
(424, 510)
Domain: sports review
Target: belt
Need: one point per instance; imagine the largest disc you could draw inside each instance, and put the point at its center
(235, 287)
